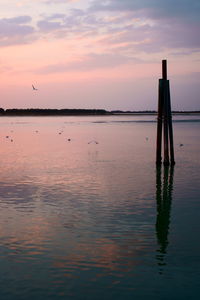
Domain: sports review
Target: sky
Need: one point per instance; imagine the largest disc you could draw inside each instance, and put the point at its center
(98, 54)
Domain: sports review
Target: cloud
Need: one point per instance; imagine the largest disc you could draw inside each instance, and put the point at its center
(56, 16)
(15, 30)
(156, 9)
(144, 26)
(141, 25)
(90, 62)
(74, 21)
(59, 1)
(19, 20)
(156, 24)
(49, 25)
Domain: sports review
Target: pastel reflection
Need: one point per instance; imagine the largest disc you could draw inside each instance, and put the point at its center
(83, 219)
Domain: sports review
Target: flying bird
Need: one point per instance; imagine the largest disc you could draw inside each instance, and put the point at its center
(34, 88)
(95, 142)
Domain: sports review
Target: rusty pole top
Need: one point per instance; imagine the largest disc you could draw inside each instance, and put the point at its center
(164, 69)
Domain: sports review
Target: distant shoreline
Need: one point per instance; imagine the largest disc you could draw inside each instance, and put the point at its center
(81, 112)
(155, 113)
(52, 112)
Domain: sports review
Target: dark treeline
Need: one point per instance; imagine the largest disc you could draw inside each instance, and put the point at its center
(50, 112)
(76, 112)
(133, 112)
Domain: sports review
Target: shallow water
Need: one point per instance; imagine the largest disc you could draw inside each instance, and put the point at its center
(86, 220)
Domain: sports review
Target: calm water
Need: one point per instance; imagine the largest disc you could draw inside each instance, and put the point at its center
(86, 220)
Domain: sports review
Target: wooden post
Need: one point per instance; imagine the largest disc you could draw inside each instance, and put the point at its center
(164, 69)
(171, 139)
(164, 116)
(166, 125)
(159, 123)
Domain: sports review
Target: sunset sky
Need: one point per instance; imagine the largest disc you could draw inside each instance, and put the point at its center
(98, 54)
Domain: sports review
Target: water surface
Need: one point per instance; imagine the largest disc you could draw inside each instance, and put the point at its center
(85, 214)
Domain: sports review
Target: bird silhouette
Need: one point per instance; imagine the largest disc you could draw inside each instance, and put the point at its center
(95, 142)
(34, 88)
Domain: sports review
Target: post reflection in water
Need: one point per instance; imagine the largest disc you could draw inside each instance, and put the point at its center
(164, 190)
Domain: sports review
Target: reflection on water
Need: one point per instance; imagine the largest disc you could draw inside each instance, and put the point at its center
(164, 190)
(77, 220)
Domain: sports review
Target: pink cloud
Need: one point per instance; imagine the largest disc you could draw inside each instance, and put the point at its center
(15, 31)
(90, 62)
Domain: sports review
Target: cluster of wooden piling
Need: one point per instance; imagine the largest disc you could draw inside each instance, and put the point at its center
(164, 122)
